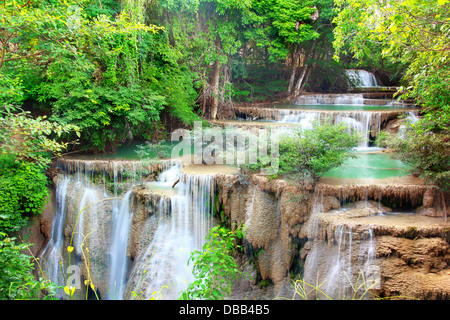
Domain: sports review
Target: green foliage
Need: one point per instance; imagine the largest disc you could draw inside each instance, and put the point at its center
(95, 8)
(355, 44)
(284, 24)
(16, 280)
(215, 268)
(261, 81)
(279, 40)
(158, 150)
(23, 192)
(431, 89)
(31, 139)
(306, 155)
(311, 153)
(424, 152)
(109, 73)
(414, 33)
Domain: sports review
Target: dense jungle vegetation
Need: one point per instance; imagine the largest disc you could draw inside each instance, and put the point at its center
(91, 75)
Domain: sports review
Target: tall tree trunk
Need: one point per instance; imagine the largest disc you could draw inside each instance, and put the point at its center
(317, 56)
(215, 90)
(204, 93)
(294, 70)
(302, 77)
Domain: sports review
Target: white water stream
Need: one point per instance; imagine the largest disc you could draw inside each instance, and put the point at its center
(103, 214)
(182, 223)
(342, 265)
(362, 78)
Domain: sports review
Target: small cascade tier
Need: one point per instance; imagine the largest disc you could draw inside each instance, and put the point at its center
(366, 98)
(361, 78)
(367, 110)
(368, 123)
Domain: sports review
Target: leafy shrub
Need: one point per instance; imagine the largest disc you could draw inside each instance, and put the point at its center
(306, 155)
(23, 192)
(215, 268)
(31, 139)
(16, 280)
(425, 152)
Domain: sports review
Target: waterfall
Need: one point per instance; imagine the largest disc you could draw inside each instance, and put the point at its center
(330, 99)
(171, 172)
(97, 211)
(340, 262)
(304, 119)
(51, 253)
(182, 222)
(412, 116)
(96, 199)
(363, 122)
(411, 119)
(361, 78)
(86, 209)
(122, 217)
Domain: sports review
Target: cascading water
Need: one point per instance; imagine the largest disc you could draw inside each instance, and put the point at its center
(122, 217)
(364, 123)
(412, 116)
(182, 223)
(361, 78)
(411, 119)
(99, 213)
(341, 262)
(97, 221)
(52, 251)
(330, 99)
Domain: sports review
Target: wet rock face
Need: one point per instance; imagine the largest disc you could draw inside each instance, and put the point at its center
(411, 251)
(39, 228)
(416, 268)
(144, 205)
(435, 203)
(273, 215)
(410, 255)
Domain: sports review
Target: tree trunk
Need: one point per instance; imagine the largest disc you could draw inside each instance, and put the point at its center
(302, 77)
(317, 56)
(294, 71)
(215, 90)
(204, 93)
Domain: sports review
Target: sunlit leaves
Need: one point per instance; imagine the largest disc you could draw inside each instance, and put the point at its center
(416, 33)
(31, 139)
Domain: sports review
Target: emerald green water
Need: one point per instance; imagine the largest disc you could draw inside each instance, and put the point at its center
(124, 152)
(369, 165)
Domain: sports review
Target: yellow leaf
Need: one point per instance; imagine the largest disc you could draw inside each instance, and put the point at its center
(442, 2)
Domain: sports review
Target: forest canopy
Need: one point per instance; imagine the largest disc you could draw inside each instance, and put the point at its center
(127, 70)
(119, 71)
